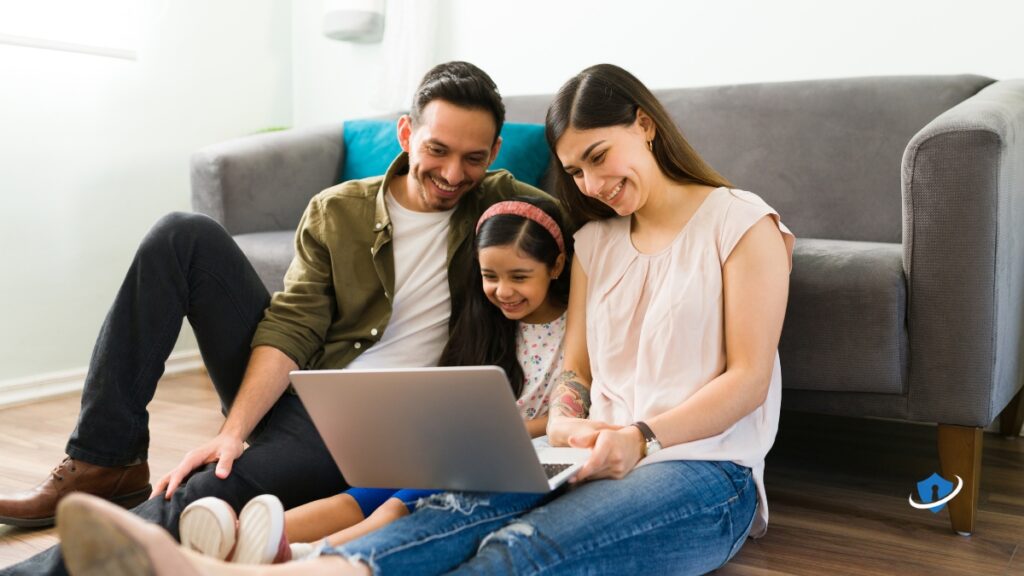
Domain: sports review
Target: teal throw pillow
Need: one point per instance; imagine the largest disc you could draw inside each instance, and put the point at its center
(371, 145)
(524, 152)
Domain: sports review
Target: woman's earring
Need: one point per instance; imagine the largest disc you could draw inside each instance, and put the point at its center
(650, 145)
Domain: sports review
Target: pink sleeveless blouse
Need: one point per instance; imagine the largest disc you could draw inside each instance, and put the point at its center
(656, 328)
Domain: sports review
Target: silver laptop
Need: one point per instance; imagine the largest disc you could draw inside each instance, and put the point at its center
(430, 428)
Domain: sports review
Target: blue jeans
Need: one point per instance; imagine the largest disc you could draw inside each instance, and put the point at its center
(684, 517)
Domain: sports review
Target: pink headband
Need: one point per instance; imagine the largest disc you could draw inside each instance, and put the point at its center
(528, 211)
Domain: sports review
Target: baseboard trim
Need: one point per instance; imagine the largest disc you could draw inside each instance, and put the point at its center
(41, 386)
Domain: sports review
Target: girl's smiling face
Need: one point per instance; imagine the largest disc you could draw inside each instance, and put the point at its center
(518, 285)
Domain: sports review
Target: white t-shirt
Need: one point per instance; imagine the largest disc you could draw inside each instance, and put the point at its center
(421, 307)
(539, 351)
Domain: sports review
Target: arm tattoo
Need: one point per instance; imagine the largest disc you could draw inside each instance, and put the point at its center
(570, 398)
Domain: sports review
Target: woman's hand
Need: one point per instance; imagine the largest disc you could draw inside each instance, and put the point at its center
(613, 452)
(561, 428)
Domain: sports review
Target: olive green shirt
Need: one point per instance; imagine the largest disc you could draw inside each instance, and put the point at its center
(339, 287)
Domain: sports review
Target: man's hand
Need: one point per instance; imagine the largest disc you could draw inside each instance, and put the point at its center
(224, 449)
(613, 452)
(561, 429)
(266, 378)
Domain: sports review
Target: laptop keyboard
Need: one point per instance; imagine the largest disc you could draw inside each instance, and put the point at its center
(552, 470)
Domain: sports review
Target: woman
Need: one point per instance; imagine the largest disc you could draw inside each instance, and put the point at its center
(671, 377)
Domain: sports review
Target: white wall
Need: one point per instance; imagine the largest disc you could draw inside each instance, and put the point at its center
(93, 150)
(533, 46)
(329, 78)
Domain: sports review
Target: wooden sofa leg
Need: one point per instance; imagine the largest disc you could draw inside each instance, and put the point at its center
(960, 455)
(1012, 417)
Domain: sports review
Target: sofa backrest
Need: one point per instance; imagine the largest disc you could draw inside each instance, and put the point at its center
(825, 153)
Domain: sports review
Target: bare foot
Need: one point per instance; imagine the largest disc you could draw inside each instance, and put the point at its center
(102, 539)
(99, 538)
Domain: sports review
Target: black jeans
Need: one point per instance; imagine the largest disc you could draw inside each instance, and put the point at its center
(188, 266)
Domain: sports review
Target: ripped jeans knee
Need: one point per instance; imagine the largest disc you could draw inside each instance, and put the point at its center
(444, 531)
(518, 547)
(509, 534)
(458, 502)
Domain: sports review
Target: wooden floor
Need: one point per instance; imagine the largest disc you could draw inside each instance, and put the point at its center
(184, 412)
(837, 489)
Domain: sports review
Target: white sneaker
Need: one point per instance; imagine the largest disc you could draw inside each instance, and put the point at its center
(208, 526)
(261, 538)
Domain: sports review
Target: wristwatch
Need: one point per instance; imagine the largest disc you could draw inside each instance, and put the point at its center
(651, 444)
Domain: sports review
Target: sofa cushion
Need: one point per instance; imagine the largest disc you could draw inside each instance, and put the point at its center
(845, 328)
(371, 145)
(825, 153)
(524, 152)
(270, 254)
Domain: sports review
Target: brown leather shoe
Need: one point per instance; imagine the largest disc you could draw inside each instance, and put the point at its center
(35, 508)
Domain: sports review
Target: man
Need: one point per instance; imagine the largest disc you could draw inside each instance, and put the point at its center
(371, 285)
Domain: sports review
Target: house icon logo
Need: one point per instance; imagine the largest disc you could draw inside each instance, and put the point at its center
(935, 491)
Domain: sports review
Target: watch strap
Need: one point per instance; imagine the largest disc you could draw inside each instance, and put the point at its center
(646, 431)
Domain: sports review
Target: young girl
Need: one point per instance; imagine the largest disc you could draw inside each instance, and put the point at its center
(514, 318)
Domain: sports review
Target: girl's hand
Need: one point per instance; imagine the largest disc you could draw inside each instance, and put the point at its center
(561, 428)
(614, 452)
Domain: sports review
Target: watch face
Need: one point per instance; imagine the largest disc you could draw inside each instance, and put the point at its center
(653, 446)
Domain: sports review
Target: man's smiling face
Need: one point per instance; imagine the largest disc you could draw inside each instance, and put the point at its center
(449, 150)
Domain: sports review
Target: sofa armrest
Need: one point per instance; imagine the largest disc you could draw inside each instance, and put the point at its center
(263, 182)
(963, 243)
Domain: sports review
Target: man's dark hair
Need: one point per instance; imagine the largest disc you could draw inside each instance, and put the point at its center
(462, 84)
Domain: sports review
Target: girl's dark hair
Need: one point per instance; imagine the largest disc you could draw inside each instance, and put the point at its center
(606, 95)
(482, 335)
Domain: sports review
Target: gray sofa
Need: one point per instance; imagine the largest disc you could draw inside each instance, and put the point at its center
(907, 198)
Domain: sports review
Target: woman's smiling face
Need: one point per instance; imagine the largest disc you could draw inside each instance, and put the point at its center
(611, 164)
